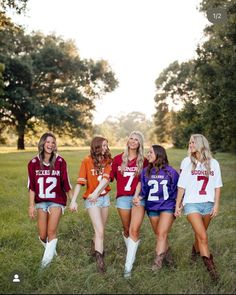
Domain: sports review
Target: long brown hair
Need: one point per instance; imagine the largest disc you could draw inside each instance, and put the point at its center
(99, 159)
(160, 162)
(41, 150)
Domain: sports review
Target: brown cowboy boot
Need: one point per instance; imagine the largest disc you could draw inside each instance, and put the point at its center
(168, 259)
(209, 263)
(158, 261)
(100, 261)
(194, 254)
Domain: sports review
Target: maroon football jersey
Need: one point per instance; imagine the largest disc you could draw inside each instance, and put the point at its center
(49, 185)
(125, 183)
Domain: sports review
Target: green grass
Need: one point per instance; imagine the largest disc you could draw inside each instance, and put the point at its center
(74, 272)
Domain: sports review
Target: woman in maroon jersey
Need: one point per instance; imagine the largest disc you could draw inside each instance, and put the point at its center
(126, 169)
(49, 186)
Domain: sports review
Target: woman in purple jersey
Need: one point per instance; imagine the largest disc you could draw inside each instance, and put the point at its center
(199, 188)
(48, 185)
(159, 190)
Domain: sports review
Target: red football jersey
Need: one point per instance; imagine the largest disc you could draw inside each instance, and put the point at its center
(49, 185)
(125, 183)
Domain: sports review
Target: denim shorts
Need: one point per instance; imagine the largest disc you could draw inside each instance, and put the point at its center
(47, 205)
(153, 213)
(201, 208)
(125, 202)
(103, 201)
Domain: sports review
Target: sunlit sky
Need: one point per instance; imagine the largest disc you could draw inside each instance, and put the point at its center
(138, 38)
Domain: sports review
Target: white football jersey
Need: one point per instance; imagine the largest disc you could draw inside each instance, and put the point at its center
(199, 187)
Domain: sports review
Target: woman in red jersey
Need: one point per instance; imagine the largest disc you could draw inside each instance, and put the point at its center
(126, 169)
(49, 186)
(94, 173)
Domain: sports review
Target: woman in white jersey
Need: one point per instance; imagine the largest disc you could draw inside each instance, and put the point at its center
(199, 186)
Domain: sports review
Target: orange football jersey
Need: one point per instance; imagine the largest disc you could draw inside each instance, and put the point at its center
(90, 177)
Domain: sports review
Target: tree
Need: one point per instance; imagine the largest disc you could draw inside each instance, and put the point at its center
(18, 6)
(216, 76)
(117, 129)
(46, 79)
(175, 86)
(205, 86)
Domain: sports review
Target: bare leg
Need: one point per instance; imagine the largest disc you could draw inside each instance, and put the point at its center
(125, 216)
(199, 228)
(137, 215)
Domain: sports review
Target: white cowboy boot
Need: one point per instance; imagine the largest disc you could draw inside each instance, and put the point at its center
(49, 252)
(132, 247)
(44, 244)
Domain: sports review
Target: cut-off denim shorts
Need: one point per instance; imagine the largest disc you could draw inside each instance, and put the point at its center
(47, 205)
(153, 213)
(201, 208)
(103, 201)
(125, 202)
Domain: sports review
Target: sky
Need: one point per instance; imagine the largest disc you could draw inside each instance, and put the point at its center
(138, 38)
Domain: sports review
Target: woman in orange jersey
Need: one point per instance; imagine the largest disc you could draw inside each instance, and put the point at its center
(94, 173)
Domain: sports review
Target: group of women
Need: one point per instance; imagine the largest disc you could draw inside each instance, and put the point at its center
(143, 184)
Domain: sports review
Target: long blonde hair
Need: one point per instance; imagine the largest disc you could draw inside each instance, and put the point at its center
(203, 149)
(41, 149)
(140, 153)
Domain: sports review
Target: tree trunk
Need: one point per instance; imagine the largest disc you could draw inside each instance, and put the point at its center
(21, 136)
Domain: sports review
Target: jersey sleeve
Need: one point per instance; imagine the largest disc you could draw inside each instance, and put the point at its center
(64, 176)
(144, 186)
(175, 178)
(183, 174)
(107, 172)
(31, 177)
(114, 167)
(218, 179)
(82, 179)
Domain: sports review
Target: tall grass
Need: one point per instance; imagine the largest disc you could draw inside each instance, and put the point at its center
(74, 272)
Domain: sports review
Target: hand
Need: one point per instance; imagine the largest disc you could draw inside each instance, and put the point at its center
(73, 206)
(178, 211)
(31, 212)
(92, 198)
(214, 211)
(136, 201)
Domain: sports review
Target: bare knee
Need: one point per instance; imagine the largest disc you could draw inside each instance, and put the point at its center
(161, 235)
(134, 233)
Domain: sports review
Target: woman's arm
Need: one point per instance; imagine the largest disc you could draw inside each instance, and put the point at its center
(178, 206)
(215, 209)
(98, 190)
(73, 204)
(31, 209)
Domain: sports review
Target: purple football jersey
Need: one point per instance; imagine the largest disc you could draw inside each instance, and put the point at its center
(49, 185)
(159, 189)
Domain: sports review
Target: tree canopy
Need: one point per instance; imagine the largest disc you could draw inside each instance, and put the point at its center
(205, 87)
(45, 79)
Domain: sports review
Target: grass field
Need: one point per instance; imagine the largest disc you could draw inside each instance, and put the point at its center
(74, 272)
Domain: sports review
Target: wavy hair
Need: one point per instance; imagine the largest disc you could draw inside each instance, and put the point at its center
(160, 162)
(99, 159)
(41, 150)
(203, 149)
(140, 153)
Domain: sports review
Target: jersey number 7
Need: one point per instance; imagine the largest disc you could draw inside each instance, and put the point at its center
(205, 182)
